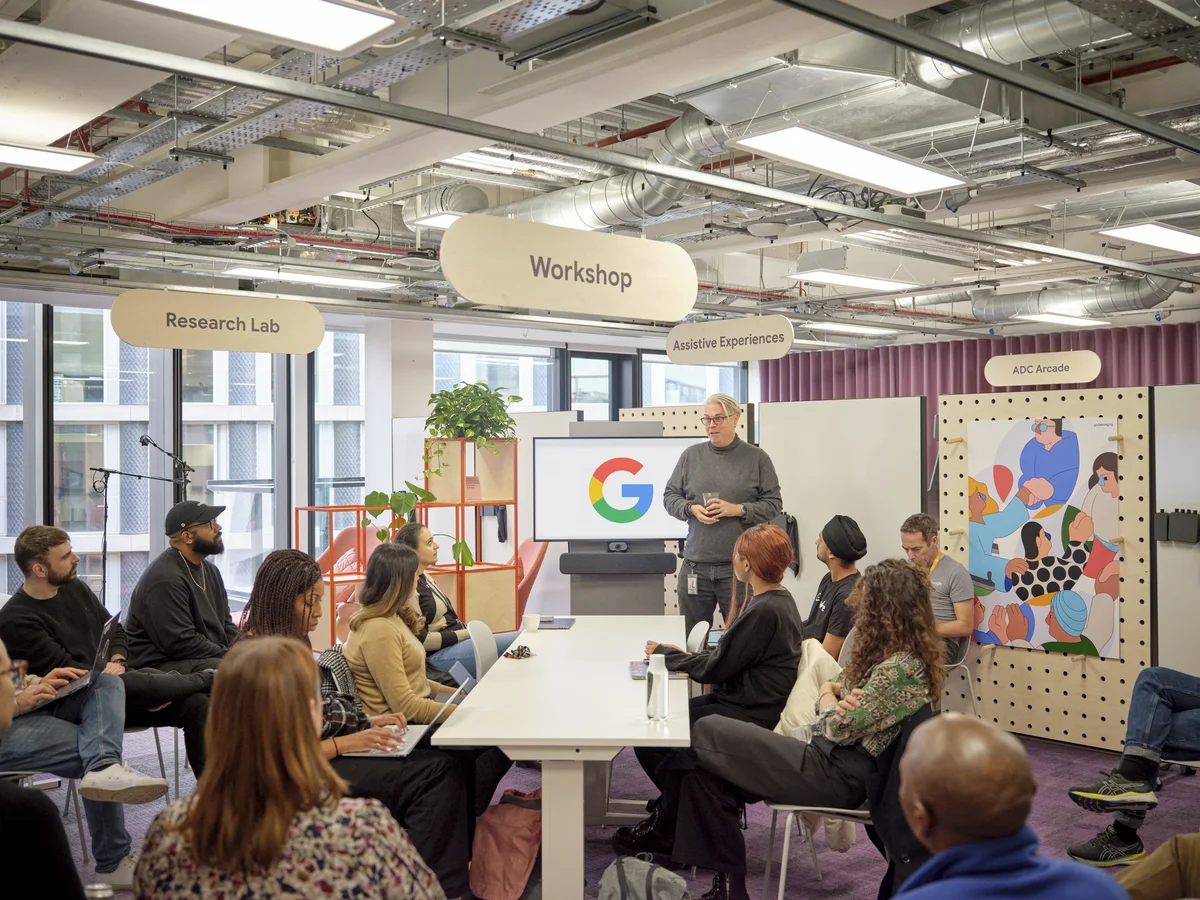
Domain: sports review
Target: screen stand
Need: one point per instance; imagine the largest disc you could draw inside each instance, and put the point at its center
(626, 583)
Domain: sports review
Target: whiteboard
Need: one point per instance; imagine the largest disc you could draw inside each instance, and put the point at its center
(859, 458)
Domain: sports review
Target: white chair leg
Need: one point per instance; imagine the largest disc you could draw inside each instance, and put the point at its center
(162, 766)
(73, 794)
(175, 735)
(811, 837)
(787, 847)
(770, 853)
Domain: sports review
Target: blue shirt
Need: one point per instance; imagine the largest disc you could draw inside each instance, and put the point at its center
(1059, 465)
(1008, 867)
(981, 563)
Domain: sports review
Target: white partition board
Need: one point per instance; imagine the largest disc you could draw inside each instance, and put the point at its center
(859, 458)
(551, 594)
(1177, 486)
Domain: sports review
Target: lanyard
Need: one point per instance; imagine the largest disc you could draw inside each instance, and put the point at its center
(935, 563)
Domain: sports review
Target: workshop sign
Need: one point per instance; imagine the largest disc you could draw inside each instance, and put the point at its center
(1024, 369)
(494, 261)
(182, 320)
(730, 340)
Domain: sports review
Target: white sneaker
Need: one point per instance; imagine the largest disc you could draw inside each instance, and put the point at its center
(120, 784)
(120, 878)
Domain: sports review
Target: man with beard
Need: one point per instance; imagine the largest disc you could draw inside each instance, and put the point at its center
(55, 622)
(179, 615)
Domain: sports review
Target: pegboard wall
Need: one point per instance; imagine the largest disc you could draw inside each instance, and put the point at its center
(681, 421)
(1073, 699)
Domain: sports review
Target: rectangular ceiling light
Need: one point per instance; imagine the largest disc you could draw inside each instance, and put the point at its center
(1154, 235)
(846, 328)
(336, 26)
(438, 220)
(1059, 319)
(334, 281)
(846, 279)
(44, 159)
(851, 160)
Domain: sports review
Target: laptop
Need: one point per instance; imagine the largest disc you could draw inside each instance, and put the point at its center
(98, 664)
(556, 623)
(413, 734)
(462, 677)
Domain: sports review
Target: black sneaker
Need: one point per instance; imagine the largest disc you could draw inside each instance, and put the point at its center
(1115, 793)
(645, 841)
(1106, 849)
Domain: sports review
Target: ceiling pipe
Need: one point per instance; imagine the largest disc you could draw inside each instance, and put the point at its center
(1141, 68)
(166, 62)
(634, 133)
(1009, 31)
(1120, 296)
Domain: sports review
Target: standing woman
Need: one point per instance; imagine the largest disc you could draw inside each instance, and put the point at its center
(423, 791)
(752, 669)
(443, 634)
(743, 490)
(269, 817)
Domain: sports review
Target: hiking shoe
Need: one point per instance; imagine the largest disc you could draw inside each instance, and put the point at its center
(1106, 849)
(1115, 793)
(120, 784)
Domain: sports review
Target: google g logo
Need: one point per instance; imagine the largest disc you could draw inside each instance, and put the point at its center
(641, 494)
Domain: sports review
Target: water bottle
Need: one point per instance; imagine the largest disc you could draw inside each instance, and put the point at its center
(98, 891)
(656, 687)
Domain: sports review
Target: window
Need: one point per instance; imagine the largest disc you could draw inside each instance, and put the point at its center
(339, 414)
(229, 439)
(591, 387)
(530, 373)
(101, 392)
(17, 321)
(666, 384)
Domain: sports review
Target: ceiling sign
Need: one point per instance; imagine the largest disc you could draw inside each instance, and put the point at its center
(730, 340)
(179, 320)
(506, 262)
(1064, 367)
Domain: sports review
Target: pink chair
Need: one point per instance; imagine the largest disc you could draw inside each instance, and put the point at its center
(528, 560)
(343, 552)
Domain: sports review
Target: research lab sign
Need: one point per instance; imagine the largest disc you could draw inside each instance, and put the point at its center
(730, 340)
(1023, 369)
(181, 320)
(495, 261)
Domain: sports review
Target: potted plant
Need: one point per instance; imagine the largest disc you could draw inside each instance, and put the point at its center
(477, 415)
(398, 506)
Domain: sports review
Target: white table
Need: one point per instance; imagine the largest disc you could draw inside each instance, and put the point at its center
(571, 702)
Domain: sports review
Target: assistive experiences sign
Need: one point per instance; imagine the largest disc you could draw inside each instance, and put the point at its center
(730, 340)
(181, 320)
(527, 265)
(1063, 367)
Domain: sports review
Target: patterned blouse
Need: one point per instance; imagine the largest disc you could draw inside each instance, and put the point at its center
(353, 849)
(893, 690)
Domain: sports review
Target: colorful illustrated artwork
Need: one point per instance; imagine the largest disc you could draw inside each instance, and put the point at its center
(1044, 521)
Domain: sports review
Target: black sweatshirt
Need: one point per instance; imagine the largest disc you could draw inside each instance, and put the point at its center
(61, 631)
(178, 612)
(33, 844)
(755, 664)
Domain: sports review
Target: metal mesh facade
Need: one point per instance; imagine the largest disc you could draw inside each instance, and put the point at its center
(134, 491)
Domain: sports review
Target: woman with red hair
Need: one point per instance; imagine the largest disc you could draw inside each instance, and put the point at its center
(753, 667)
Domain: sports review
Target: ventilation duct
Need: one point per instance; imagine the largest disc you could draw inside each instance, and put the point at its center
(1122, 295)
(1010, 31)
(443, 205)
(626, 199)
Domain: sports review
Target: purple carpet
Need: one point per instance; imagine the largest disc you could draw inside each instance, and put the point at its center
(854, 874)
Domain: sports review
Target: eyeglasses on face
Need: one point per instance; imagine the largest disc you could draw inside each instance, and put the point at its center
(1040, 427)
(211, 523)
(713, 420)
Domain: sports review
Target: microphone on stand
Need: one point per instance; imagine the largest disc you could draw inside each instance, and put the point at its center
(145, 441)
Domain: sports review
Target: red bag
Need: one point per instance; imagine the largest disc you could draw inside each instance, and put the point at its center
(508, 837)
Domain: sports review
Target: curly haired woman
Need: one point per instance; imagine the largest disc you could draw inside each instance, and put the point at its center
(895, 669)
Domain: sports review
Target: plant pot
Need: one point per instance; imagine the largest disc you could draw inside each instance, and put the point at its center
(470, 474)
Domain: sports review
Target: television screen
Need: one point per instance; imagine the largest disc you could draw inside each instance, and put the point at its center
(605, 489)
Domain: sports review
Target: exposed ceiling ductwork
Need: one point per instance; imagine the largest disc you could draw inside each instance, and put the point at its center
(1120, 296)
(1009, 31)
(631, 198)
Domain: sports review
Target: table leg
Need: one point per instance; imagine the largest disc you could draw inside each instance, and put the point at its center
(562, 829)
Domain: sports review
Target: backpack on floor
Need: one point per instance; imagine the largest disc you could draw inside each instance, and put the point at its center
(508, 837)
(630, 878)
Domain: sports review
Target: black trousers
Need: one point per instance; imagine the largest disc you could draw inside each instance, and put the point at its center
(187, 709)
(426, 794)
(189, 666)
(714, 587)
(732, 763)
(655, 761)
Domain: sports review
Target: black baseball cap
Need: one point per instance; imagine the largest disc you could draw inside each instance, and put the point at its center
(190, 512)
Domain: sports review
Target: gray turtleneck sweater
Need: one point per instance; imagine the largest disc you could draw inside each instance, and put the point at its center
(738, 473)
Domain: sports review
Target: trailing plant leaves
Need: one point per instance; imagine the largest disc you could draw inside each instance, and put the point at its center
(382, 535)
(462, 553)
(422, 495)
(376, 500)
(470, 411)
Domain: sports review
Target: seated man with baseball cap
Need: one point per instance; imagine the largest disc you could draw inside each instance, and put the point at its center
(179, 613)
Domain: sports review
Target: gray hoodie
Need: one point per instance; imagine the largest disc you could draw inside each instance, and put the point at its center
(738, 473)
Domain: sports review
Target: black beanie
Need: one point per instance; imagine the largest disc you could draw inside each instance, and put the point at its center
(844, 539)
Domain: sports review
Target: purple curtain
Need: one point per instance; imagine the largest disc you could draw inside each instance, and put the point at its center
(1130, 357)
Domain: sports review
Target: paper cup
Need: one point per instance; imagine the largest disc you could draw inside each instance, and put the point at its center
(531, 621)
